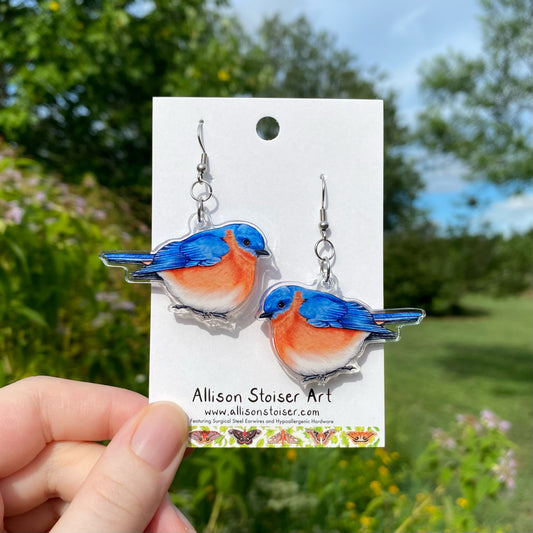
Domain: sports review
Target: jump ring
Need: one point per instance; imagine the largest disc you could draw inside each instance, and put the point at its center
(327, 253)
(325, 269)
(204, 195)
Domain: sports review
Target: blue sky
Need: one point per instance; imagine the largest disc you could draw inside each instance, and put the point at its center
(397, 36)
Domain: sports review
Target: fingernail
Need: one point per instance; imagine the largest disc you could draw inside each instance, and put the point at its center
(160, 435)
(187, 526)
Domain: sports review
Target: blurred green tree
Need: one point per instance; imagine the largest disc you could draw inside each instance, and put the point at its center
(77, 77)
(308, 64)
(428, 269)
(77, 80)
(480, 109)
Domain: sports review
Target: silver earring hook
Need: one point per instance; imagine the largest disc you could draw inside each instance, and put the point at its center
(200, 134)
(324, 249)
(201, 190)
(323, 219)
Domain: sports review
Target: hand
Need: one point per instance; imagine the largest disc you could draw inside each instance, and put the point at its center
(52, 477)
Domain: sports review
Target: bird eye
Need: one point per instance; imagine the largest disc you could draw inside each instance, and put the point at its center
(246, 242)
(281, 304)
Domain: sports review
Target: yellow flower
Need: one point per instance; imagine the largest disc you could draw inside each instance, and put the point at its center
(383, 471)
(380, 452)
(462, 502)
(431, 509)
(350, 505)
(376, 487)
(393, 489)
(291, 455)
(343, 463)
(394, 456)
(53, 6)
(223, 75)
(366, 520)
(383, 455)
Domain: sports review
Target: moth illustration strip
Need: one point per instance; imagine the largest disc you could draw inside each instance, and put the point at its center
(284, 437)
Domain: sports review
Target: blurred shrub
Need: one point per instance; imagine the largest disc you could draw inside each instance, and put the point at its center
(433, 271)
(61, 311)
(447, 488)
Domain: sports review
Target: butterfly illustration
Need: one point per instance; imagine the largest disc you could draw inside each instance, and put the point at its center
(319, 437)
(244, 437)
(283, 438)
(361, 437)
(204, 437)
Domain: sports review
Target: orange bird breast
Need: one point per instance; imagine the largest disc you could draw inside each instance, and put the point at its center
(310, 350)
(230, 280)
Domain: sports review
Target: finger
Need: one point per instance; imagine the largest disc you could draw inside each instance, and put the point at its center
(126, 486)
(39, 519)
(57, 472)
(2, 526)
(36, 496)
(169, 518)
(39, 410)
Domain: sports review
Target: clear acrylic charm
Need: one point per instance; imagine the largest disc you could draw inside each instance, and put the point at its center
(318, 335)
(208, 275)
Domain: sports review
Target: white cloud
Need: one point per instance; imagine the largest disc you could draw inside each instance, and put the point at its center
(513, 214)
(442, 174)
(409, 22)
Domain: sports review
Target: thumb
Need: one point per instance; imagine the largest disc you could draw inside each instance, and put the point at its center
(128, 483)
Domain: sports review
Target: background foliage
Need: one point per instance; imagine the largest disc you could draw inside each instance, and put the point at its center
(76, 82)
(480, 109)
(59, 312)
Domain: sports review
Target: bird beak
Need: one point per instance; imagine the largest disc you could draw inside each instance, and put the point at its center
(261, 252)
(265, 315)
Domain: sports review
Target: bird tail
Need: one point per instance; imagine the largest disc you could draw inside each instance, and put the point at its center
(400, 316)
(383, 335)
(125, 258)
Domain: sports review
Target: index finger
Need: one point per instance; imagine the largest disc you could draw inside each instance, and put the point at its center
(39, 410)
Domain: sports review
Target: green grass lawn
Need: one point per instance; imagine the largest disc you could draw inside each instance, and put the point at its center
(448, 366)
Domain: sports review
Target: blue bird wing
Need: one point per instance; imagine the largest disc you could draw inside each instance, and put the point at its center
(202, 249)
(205, 250)
(122, 258)
(323, 310)
(400, 316)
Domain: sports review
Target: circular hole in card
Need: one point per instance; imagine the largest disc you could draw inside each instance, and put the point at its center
(267, 128)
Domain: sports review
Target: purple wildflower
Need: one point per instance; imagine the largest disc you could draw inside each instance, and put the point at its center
(14, 213)
(443, 439)
(505, 470)
(491, 421)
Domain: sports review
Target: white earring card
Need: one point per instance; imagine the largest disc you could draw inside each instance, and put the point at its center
(230, 381)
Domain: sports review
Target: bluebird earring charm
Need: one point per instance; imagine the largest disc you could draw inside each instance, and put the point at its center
(315, 332)
(210, 273)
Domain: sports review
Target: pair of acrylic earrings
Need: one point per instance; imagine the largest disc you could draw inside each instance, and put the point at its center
(210, 275)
